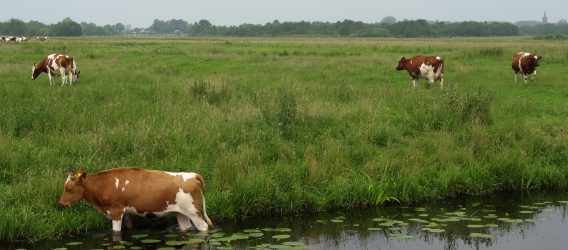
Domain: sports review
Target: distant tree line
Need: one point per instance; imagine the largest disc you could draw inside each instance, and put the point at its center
(388, 27)
(66, 27)
(346, 28)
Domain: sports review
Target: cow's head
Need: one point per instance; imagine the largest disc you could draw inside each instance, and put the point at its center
(401, 64)
(76, 75)
(35, 71)
(536, 60)
(74, 189)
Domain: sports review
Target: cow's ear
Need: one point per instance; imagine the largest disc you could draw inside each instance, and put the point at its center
(403, 58)
(81, 174)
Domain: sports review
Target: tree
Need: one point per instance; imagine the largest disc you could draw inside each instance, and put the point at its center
(66, 27)
(15, 27)
(388, 20)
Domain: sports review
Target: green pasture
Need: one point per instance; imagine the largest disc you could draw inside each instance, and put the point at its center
(278, 126)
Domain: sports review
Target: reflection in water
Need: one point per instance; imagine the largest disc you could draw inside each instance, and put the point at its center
(510, 221)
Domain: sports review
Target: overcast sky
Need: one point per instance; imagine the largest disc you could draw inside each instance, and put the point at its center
(141, 13)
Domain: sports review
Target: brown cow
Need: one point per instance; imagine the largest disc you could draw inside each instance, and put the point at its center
(143, 192)
(42, 38)
(525, 63)
(427, 67)
(57, 64)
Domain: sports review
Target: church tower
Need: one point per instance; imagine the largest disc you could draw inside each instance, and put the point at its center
(544, 18)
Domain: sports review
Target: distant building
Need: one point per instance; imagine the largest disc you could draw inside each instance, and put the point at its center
(544, 18)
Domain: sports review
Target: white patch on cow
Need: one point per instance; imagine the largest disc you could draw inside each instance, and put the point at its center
(438, 58)
(68, 179)
(426, 71)
(132, 210)
(186, 176)
(126, 183)
(116, 225)
(116, 182)
(108, 214)
(184, 205)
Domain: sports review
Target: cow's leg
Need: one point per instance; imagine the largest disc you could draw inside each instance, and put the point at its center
(70, 77)
(516, 76)
(183, 222)
(63, 76)
(49, 75)
(534, 74)
(442, 81)
(413, 82)
(525, 77)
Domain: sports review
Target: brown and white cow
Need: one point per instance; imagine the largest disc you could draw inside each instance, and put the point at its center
(42, 38)
(526, 64)
(427, 67)
(57, 64)
(149, 193)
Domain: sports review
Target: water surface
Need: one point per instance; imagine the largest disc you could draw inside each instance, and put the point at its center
(505, 221)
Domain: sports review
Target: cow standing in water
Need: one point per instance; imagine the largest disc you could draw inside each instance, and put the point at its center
(143, 192)
(57, 64)
(526, 64)
(427, 67)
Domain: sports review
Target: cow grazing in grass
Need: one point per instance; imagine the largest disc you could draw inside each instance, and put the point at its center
(7, 39)
(42, 38)
(427, 67)
(57, 64)
(149, 193)
(20, 39)
(526, 64)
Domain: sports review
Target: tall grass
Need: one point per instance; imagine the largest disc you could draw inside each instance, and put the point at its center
(329, 123)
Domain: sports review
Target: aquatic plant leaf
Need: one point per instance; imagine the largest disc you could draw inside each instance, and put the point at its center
(174, 243)
(336, 221)
(526, 212)
(437, 230)
(321, 221)
(214, 243)
(252, 231)
(166, 248)
(193, 241)
(60, 248)
(135, 247)
(563, 202)
(281, 236)
(480, 235)
(150, 241)
(378, 219)
(475, 226)
(218, 235)
(386, 224)
(418, 220)
(374, 229)
(256, 235)
(293, 243)
(491, 225)
(75, 243)
(139, 236)
(125, 243)
(240, 236)
(117, 247)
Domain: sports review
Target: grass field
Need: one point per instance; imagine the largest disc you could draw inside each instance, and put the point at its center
(278, 126)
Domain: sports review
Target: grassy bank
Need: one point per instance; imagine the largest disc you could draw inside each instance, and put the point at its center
(278, 125)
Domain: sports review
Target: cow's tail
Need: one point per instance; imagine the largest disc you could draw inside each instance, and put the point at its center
(203, 210)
